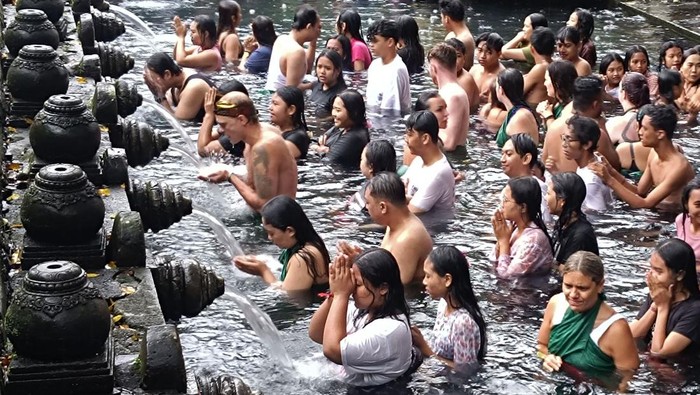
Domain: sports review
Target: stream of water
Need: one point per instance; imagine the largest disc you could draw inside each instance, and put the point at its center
(220, 230)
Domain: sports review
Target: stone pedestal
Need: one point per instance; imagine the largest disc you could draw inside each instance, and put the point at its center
(90, 254)
(91, 168)
(24, 108)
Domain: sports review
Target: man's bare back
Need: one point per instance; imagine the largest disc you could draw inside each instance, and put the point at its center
(535, 91)
(466, 81)
(272, 170)
(458, 110)
(292, 63)
(410, 244)
(465, 36)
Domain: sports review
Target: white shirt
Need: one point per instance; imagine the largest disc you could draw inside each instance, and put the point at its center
(275, 78)
(388, 85)
(598, 195)
(431, 187)
(544, 207)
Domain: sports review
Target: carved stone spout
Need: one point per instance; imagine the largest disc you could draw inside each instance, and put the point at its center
(107, 26)
(30, 27)
(159, 205)
(222, 385)
(119, 98)
(139, 140)
(113, 60)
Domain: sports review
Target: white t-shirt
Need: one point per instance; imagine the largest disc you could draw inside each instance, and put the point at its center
(598, 195)
(544, 207)
(377, 353)
(432, 187)
(388, 85)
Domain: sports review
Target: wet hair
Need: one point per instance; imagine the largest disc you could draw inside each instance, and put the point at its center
(454, 9)
(228, 10)
(563, 74)
(231, 85)
(423, 101)
(588, 263)
(690, 52)
(587, 90)
(457, 44)
(355, 105)
(337, 62)
(568, 33)
(387, 186)
(607, 60)
(543, 41)
(526, 190)
(636, 88)
(538, 20)
(662, 52)
(663, 117)
(493, 41)
(353, 24)
(585, 24)
(264, 30)
(523, 145)
(513, 84)
(693, 185)
(445, 55)
(570, 187)
(449, 260)
(634, 50)
(347, 50)
(493, 97)
(680, 257)
(282, 212)
(381, 156)
(206, 27)
(668, 79)
(378, 267)
(424, 122)
(242, 105)
(412, 53)
(585, 129)
(293, 96)
(385, 28)
(305, 15)
(160, 62)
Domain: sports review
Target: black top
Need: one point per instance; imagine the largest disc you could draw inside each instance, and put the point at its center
(200, 115)
(324, 99)
(578, 236)
(346, 147)
(684, 319)
(412, 59)
(300, 138)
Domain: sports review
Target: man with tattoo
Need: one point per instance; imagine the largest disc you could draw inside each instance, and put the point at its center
(271, 168)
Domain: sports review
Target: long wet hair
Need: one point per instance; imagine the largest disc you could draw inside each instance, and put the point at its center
(680, 257)
(636, 88)
(282, 212)
(631, 51)
(585, 24)
(353, 24)
(668, 79)
(293, 96)
(570, 187)
(662, 53)
(693, 185)
(347, 50)
(607, 60)
(378, 267)
(423, 101)
(413, 52)
(563, 74)
(513, 84)
(381, 156)
(264, 30)
(355, 105)
(160, 62)
(538, 20)
(526, 190)
(206, 27)
(448, 259)
(337, 62)
(228, 11)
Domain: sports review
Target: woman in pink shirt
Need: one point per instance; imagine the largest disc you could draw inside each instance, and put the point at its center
(349, 24)
(688, 222)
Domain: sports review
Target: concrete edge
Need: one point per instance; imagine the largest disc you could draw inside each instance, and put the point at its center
(683, 31)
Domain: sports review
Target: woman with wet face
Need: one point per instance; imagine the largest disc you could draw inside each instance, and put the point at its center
(612, 70)
(670, 56)
(690, 95)
(341, 45)
(205, 56)
(287, 113)
(688, 222)
(329, 71)
(637, 61)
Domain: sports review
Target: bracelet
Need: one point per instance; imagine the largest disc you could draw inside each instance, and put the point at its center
(229, 177)
(327, 295)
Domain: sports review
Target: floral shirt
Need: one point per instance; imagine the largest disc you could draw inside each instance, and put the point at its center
(455, 336)
(530, 253)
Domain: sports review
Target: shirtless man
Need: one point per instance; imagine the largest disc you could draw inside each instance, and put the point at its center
(667, 171)
(443, 63)
(488, 53)
(272, 170)
(569, 45)
(406, 237)
(464, 79)
(542, 44)
(289, 61)
(452, 12)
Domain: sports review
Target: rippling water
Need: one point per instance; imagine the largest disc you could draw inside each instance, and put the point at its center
(220, 341)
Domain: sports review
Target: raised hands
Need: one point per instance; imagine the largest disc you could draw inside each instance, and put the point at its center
(340, 277)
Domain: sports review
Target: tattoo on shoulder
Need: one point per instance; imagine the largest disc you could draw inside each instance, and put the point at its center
(261, 179)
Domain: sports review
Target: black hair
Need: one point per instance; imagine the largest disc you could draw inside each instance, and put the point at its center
(668, 79)
(305, 15)
(493, 97)
(457, 44)
(663, 117)
(662, 52)
(585, 23)
(542, 41)
(385, 28)
(381, 156)
(264, 30)
(513, 84)
(347, 50)
(206, 27)
(412, 54)
(587, 90)
(228, 10)
(570, 187)
(160, 62)
(693, 185)
(523, 145)
(493, 41)
(449, 260)
(633, 50)
(607, 60)
(378, 267)
(387, 186)
(563, 75)
(680, 257)
(231, 85)
(424, 122)
(355, 105)
(293, 96)
(636, 88)
(526, 190)
(423, 101)
(688, 53)
(454, 9)
(538, 20)
(337, 61)
(568, 33)
(282, 212)
(585, 129)
(353, 24)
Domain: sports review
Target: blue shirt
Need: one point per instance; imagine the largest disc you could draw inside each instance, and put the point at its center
(259, 60)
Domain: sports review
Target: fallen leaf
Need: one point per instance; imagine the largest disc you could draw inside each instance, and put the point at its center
(104, 129)
(92, 275)
(14, 166)
(128, 290)
(81, 80)
(28, 120)
(117, 318)
(124, 326)
(103, 192)
(11, 129)
(17, 226)
(12, 197)
(112, 264)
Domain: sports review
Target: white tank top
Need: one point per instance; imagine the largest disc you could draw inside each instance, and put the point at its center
(275, 78)
(597, 332)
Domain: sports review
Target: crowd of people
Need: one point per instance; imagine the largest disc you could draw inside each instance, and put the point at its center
(538, 94)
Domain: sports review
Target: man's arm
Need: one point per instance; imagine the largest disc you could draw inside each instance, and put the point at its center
(265, 178)
(310, 54)
(606, 148)
(296, 67)
(671, 183)
(191, 100)
(455, 129)
(534, 78)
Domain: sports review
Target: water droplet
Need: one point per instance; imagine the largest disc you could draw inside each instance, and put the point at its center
(252, 11)
(284, 6)
(435, 11)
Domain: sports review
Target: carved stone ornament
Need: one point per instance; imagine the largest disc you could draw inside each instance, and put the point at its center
(52, 8)
(36, 74)
(159, 205)
(30, 27)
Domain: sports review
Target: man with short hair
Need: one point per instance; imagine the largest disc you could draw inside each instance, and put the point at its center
(442, 59)
(542, 45)
(289, 61)
(453, 13)
(430, 184)
(388, 83)
(667, 171)
(464, 79)
(488, 54)
(272, 169)
(569, 46)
